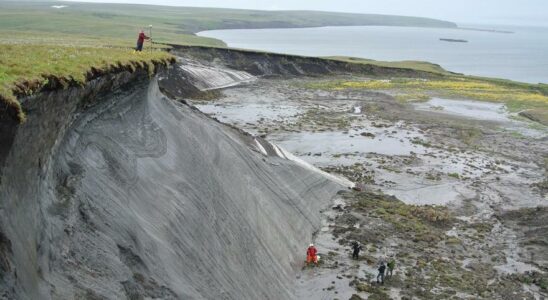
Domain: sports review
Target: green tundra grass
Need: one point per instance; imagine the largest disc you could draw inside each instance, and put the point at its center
(408, 64)
(26, 67)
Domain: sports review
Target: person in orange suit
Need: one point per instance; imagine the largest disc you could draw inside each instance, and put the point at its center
(311, 255)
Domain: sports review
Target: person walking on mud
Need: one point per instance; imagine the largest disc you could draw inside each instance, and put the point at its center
(382, 268)
(311, 255)
(356, 247)
(391, 265)
(141, 40)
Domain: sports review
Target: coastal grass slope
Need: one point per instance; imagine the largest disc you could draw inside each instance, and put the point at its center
(407, 64)
(25, 69)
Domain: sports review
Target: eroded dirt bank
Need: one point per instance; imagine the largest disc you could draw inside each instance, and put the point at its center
(455, 190)
(114, 191)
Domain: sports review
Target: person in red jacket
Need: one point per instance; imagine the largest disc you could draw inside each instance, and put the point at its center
(311, 255)
(141, 40)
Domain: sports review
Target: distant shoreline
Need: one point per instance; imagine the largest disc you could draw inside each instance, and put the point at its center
(389, 44)
(486, 30)
(453, 40)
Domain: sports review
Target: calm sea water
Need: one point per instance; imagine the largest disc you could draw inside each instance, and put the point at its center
(521, 56)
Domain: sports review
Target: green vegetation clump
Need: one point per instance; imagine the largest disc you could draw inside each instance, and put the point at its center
(25, 69)
(533, 278)
(446, 273)
(542, 186)
(481, 228)
(419, 141)
(374, 292)
(318, 119)
(454, 175)
(422, 223)
(469, 135)
(412, 97)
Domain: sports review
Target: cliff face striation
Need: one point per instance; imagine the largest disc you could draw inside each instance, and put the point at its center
(285, 65)
(114, 191)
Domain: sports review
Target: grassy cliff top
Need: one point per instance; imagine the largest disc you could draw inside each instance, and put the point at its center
(407, 64)
(27, 68)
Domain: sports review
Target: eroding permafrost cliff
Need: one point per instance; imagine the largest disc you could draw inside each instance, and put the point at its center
(115, 191)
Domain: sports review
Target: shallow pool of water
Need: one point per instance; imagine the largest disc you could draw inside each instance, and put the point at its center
(326, 147)
(484, 111)
(466, 108)
(426, 194)
(250, 113)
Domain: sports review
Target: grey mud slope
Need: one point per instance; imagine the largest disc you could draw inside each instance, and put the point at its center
(140, 196)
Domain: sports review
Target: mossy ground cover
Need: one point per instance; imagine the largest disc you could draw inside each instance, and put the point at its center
(26, 68)
(430, 264)
(420, 223)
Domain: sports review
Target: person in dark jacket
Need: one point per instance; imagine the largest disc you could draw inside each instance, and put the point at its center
(382, 268)
(356, 247)
(140, 41)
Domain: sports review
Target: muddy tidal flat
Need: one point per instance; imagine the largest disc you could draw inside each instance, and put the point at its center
(455, 190)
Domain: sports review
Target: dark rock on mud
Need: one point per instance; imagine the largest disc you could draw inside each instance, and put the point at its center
(536, 116)
(532, 225)
(367, 134)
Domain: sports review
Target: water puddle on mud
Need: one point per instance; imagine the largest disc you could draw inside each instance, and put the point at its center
(465, 108)
(427, 194)
(241, 114)
(383, 147)
(325, 148)
(484, 111)
(513, 262)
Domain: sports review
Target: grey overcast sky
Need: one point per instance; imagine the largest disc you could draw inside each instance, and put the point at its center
(516, 12)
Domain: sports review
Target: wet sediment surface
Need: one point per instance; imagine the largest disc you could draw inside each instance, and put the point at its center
(471, 159)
